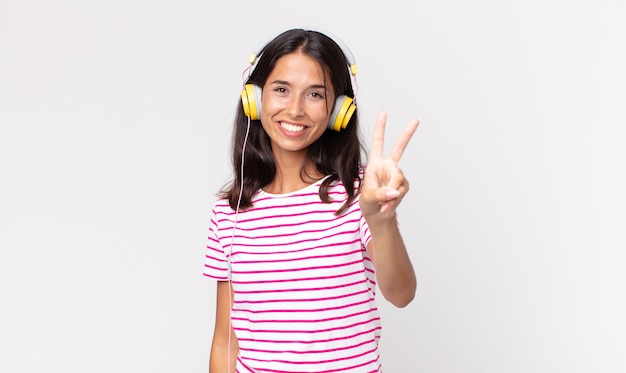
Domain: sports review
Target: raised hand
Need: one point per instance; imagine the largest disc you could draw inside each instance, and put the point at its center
(384, 184)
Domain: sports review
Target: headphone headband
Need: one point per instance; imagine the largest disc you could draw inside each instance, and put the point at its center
(344, 48)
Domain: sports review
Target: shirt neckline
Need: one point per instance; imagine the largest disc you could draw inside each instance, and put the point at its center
(313, 185)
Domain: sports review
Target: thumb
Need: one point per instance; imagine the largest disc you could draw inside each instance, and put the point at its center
(385, 194)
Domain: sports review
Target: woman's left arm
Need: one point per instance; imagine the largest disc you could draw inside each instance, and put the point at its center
(384, 186)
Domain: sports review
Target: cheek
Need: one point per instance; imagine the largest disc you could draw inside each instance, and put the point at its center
(321, 112)
(268, 108)
(266, 103)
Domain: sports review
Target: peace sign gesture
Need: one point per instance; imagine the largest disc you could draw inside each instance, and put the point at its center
(384, 184)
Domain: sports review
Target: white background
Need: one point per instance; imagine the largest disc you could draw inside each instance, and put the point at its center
(114, 130)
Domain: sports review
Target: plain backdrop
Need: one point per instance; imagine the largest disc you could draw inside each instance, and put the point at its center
(114, 138)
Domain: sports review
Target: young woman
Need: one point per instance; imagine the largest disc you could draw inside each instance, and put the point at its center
(304, 235)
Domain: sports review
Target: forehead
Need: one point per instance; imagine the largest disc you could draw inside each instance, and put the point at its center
(298, 66)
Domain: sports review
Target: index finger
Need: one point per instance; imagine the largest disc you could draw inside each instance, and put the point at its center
(379, 135)
(403, 140)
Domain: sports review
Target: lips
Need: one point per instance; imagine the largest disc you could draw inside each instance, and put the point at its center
(291, 127)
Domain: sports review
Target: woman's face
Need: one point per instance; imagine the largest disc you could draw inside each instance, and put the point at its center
(296, 104)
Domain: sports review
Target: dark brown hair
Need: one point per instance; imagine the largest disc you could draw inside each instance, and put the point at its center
(337, 154)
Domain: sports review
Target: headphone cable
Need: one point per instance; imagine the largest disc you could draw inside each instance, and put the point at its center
(232, 240)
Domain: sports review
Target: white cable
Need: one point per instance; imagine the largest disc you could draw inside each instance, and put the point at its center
(232, 240)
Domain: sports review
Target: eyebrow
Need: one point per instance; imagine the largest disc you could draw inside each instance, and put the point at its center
(284, 82)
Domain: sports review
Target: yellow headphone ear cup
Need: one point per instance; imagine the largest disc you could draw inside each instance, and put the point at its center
(251, 101)
(244, 102)
(342, 112)
(349, 112)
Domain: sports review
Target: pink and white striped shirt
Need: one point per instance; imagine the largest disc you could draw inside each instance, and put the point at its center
(304, 284)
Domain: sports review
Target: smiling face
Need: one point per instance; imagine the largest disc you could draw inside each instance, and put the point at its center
(296, 105)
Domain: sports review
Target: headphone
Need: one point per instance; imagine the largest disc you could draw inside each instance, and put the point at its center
(343, 108)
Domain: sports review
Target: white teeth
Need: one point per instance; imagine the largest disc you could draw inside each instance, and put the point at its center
(291, 127)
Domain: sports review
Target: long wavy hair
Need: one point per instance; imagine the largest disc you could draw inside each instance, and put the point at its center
(337, 154)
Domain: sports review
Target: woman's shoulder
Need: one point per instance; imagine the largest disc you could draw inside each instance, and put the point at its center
(361, 172)
(221, 205)
(337, 183)
(358, 181)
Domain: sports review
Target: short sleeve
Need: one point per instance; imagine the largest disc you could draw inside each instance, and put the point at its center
(364, 229)
(215, 262)
(366, 237)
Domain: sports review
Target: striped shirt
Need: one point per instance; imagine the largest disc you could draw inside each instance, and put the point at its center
(303, 282)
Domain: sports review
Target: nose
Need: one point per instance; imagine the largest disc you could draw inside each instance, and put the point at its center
(295, 107)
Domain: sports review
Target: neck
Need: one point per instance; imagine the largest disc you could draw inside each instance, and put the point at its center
(292, 176)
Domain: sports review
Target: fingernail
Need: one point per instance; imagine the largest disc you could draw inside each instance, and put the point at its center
(392, 193)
